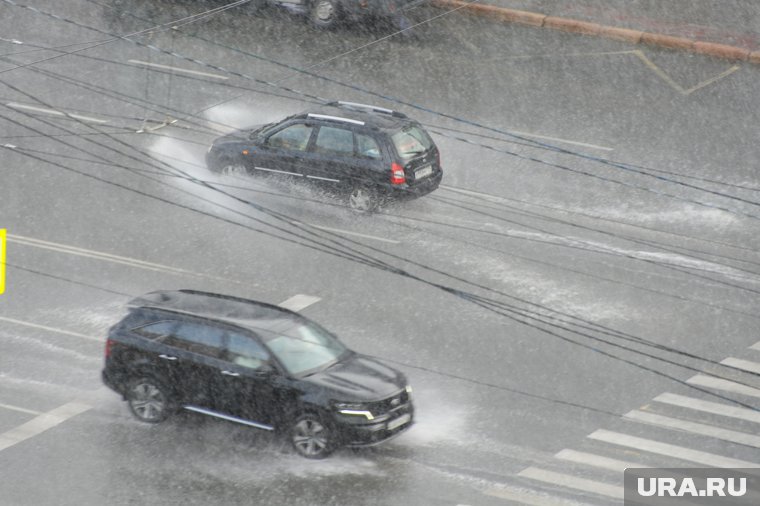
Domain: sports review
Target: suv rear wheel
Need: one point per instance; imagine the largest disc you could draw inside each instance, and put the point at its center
(149, 400)
(312, 437)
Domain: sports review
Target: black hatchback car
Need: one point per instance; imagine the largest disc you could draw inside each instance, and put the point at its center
(368, 153)
(255, 364)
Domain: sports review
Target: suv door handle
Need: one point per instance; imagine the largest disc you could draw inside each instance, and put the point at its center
(230, 373)
(167, 357)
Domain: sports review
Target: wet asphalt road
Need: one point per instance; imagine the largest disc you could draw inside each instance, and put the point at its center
(601, 284)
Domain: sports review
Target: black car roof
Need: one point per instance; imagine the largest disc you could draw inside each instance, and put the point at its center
(371, 116)
(246, 313)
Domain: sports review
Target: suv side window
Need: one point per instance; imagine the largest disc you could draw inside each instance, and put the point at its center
(335, 141)
(366, 147)
(198, 338)
(245, 351)
(293, 137)
(157, 330)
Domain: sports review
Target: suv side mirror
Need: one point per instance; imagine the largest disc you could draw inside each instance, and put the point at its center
(265, 369)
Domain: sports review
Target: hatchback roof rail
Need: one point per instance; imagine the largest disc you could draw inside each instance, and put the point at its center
(369, 107)
(335, 118)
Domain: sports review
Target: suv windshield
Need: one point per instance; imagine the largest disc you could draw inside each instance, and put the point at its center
(411, 141)
(305, 348)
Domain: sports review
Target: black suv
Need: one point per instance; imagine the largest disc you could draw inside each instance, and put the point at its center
(255, 364)
(368, 153)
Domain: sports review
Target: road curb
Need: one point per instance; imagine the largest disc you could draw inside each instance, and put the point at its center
(539, 20)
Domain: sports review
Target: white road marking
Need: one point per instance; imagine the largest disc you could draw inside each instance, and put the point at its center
(592, 460)
(51, 329)
(569, 481)
(678, 452)
(176, 69)
(695, 428)
(53, 112)
(721, 384)
(709, 407)
(529, 498)
(487, 196)
(347, 232)
(107, 257)
(756, 346)
(564, 141)
(20, 410)
(299, 302)
(41, 423)
(747, 365)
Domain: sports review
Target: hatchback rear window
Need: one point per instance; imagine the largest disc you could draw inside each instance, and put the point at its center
(411, 141)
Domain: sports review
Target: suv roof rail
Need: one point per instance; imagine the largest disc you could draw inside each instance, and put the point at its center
(335, 118)
(373, 108)
(171, 300)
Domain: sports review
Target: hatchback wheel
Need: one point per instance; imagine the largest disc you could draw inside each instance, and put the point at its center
(325, 13)
(362, 200)
(148, 400)
(311, 437)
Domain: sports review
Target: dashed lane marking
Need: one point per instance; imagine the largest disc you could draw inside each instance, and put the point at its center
(53, 112)
(51, 329)
(20, 410)
(714, 408)
(176, 69)
(563, 141)
(41, 423)
(669, 450)
(566, 480)
(295, 303)
(106, 257)
(695, 428)
(299, 302)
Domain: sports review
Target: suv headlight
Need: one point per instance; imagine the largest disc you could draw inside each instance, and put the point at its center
(353, 408)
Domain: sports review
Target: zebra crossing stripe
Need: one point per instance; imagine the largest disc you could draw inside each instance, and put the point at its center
(722, 384)
(746, 365)
(669, 450)
(592, 460)
(714, 408)
(566, 480)
(695, 428)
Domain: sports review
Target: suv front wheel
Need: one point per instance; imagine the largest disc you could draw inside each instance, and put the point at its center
(149, 400)
(312, 437)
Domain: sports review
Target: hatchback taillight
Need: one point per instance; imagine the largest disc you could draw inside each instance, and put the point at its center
(109, 347)
(397, 174)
